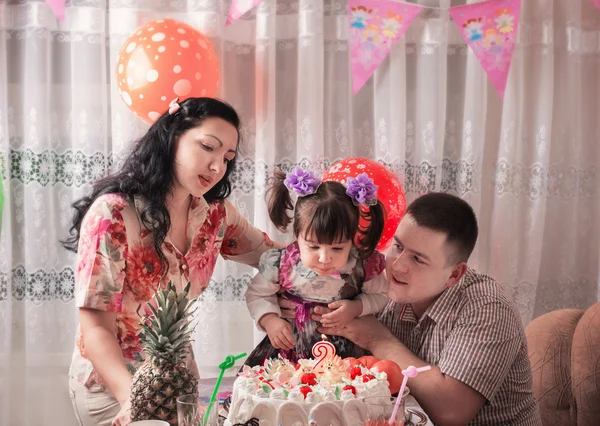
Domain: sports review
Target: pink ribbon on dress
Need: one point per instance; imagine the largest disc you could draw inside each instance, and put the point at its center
(303, 309)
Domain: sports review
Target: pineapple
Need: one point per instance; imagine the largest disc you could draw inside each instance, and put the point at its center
(166, 336)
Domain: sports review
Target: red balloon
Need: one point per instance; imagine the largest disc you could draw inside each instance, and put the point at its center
(164, 60)
(390, 191)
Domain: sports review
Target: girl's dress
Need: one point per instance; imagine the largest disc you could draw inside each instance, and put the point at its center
(281, 272)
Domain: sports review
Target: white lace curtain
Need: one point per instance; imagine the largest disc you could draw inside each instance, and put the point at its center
(528, 165)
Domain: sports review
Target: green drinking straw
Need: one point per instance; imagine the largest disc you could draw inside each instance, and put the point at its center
(228, 363)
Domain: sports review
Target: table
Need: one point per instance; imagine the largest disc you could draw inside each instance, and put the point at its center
(411, 402)
(206, 386)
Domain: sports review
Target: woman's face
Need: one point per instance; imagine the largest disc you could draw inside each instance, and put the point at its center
(202, 154)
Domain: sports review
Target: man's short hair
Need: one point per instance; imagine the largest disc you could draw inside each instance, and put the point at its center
(451, 215)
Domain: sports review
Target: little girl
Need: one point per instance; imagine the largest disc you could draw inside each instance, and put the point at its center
(323, 266)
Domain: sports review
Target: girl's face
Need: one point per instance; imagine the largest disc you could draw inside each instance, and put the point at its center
(324, 259)
(202, 154)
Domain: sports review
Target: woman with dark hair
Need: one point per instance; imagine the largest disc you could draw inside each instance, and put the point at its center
(163, 217)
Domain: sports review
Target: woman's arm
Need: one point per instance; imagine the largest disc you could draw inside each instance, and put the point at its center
(243, 242)
(102, 349)
(99, 285)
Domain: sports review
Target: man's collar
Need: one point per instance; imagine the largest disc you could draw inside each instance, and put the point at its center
(405, 313)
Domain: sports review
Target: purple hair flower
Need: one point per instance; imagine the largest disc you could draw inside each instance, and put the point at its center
(301, 182)
(362, 190)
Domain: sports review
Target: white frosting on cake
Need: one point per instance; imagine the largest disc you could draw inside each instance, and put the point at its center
(262, 394)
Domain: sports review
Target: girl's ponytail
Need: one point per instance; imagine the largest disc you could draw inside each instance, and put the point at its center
(369, 237)
(279, 201)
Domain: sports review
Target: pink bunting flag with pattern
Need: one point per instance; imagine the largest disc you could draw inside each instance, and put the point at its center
(490, 29)
(375, 26)
(58, 8)
(239, 8)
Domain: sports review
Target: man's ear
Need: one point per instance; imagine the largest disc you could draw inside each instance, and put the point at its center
(458, 271)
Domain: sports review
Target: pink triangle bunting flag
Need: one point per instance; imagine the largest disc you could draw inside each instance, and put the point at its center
(375, 26)
(58, 8)
(596, 3)
(239, 8)
(490, 29)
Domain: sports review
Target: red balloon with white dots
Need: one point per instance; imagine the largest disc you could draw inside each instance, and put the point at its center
(390, 191)
(164, 60)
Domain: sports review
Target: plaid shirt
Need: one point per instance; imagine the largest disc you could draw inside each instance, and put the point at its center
(474, 334)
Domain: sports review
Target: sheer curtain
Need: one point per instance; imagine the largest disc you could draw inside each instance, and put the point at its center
(528, 165)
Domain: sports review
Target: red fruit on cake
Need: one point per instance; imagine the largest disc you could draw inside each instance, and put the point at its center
(350, 388)
(309, 379)
(368, 377)
(355, 371)
(305, 390)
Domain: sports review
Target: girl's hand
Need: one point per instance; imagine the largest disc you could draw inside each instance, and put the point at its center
(279, 331)
(344, 311)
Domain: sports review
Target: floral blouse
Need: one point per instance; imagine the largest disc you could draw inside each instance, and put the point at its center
(119, 270)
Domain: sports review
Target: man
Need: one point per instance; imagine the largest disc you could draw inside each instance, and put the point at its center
(448, 316)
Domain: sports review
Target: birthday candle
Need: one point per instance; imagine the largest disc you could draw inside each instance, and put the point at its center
(322, 351)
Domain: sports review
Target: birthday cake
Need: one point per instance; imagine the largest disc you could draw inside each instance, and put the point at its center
(324, 392)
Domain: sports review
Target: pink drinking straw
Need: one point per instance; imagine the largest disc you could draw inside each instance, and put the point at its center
(411, 371)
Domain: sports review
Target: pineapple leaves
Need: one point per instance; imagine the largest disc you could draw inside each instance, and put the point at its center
(167, 333)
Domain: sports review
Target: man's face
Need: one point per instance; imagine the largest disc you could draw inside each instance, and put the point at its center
(417, 265)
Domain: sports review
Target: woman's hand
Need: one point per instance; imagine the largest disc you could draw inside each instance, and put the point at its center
(123, 418)
(288, 308)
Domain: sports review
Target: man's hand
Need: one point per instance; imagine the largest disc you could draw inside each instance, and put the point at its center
(123, 418)
(288, 308)
(364, 331)
(279, 331)
(344, 311)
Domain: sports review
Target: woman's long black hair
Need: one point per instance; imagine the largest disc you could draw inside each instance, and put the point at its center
(148, 171)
